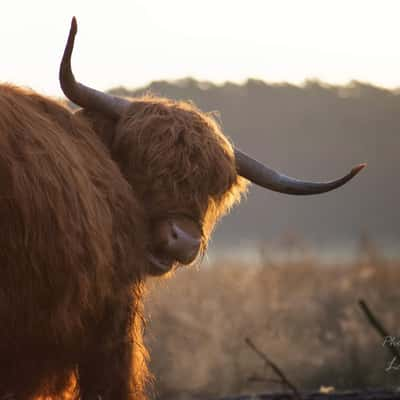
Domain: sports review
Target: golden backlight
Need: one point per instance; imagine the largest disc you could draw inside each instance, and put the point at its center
(134, 42)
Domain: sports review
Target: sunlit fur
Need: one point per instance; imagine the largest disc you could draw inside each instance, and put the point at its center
(75, 218)
(71, 252)
(177, 160)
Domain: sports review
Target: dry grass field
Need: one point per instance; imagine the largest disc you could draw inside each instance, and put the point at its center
(302, 314)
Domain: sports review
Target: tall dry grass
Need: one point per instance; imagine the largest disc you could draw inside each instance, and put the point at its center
(303, 315)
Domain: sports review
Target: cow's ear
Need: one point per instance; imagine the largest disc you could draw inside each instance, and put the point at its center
(103, 126)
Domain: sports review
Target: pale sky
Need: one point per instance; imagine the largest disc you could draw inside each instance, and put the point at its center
(131, 43)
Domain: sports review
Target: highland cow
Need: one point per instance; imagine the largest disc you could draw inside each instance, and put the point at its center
(92, 203)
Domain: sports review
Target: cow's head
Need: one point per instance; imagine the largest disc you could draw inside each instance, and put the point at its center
(183, 170)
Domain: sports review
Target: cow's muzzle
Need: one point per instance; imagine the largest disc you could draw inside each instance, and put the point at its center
(175, 240)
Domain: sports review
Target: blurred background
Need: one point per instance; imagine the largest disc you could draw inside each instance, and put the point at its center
(308, 87)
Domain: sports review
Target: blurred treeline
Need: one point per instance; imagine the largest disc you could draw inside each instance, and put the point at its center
(303, 316)
(314, 131)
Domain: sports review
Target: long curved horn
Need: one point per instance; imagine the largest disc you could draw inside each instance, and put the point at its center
(268, 178)
(82, 95)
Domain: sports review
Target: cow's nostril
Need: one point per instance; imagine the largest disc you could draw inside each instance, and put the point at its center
(174, 234)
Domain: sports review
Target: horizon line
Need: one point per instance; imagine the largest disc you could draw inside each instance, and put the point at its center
(243, 82)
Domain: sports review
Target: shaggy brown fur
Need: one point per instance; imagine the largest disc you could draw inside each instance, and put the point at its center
(176, 159)
(74, 227)
(72, 262)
